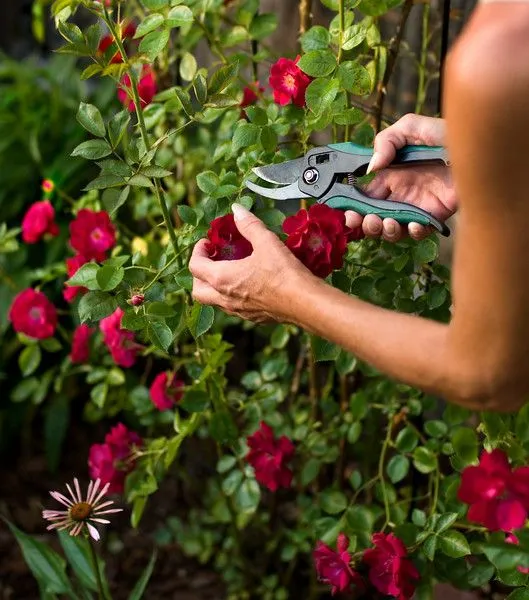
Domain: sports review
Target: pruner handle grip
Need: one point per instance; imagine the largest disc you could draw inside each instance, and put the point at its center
(402, 212)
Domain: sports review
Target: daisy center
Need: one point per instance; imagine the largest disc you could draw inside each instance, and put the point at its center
(80, 511)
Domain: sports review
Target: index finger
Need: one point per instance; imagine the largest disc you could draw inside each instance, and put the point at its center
(200, 264)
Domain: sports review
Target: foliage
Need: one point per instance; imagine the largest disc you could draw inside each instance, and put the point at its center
(371, 454)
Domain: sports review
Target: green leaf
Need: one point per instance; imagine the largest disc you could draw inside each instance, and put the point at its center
(436, 429)
(316, 38)
(98, 394)
(263, 25)
(220, 80)
(149, 24)
(95, 306)
(46, 565)
(424, 460)
(160, 309)
(318, 63)
(178, 16)
(506, 556)
(29, 359)
(200, 85)
(92, 149)
(232, 482)
(425, 251)
(521, 593)
(323, 350)
(141, 585)
(354, 35)
(200, 319)
(117, 127)
(321, 93)
(333, 501)
(354, 432)
(104, 181)
(248, 496)
(268, 139)
(109, 277)
(354, 78)
(56, 421)
(113, 199)
(77, 552)
(160, 334)
(350, 116)
(85, 276)
(188, 66)
(222, 427)
(246, 134)
(153, 43)
(90, 118)
(407, 439)
(195, 401)
(226, 463)
(430, 546)
(397, 468)
(208, 181)
(445, 521)
(465, 444)
(454, 544)
(310, 471)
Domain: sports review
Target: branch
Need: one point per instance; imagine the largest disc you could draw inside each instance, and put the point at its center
(304, 15)
(393, 52)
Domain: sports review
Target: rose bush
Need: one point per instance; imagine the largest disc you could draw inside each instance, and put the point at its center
(314, 449)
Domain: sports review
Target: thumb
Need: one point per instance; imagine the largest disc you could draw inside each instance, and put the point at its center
(249, 226)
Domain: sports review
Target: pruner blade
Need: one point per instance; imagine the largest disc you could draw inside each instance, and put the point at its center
(285, 172)
(288, 192)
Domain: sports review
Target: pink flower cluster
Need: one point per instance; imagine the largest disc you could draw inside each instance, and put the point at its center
(120, 342)
(113, 460)
(390, 571)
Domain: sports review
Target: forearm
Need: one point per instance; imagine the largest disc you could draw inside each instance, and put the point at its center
(410, 349)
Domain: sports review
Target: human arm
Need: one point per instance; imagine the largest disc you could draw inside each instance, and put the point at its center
(478, 360)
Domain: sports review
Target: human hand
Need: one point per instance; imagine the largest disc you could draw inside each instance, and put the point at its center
(255, 288)
(429, 187)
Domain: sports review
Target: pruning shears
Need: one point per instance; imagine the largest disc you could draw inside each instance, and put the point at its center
(320, 174)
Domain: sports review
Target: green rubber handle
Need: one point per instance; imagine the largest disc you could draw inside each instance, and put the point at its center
(401, 212)
(405, 155)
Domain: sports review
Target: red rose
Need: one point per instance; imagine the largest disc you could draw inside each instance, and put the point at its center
(390, 571)
(250, 94)
(165, 391)
(146, 89)
(497, 495)
(512, 539)
(120, 342)
(288, 82)
(80, 352)
(92, 234)
(269, 456)
(127, 31)
(318, 238)
(73, 264)
(32, 314)
(225, 240)
(333, 567)
(114, 460)
(38, 221)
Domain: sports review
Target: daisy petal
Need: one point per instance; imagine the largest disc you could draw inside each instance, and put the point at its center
(103, 521)
(60, 498)
(93, 532)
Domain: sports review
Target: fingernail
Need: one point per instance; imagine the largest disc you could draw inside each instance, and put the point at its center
(390, 228)
(239, 212)
(372, 163)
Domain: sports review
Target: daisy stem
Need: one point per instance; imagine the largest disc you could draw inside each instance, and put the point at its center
(95, 563)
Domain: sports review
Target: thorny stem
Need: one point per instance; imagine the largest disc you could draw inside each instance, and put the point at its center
(421, 86)
(313, 382)
(393, 52)
(95, 564)
(436, 476)
(143, 128)
(341, 12)
(381, 464)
